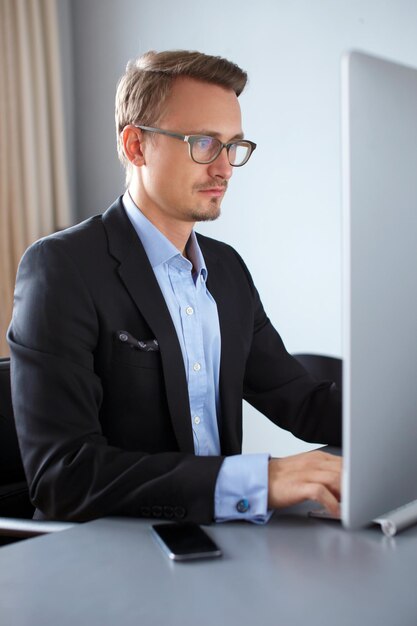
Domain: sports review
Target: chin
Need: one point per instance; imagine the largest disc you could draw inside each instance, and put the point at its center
(207, 214)
(206, 217)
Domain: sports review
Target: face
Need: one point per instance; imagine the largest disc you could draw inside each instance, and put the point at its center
(170, 188)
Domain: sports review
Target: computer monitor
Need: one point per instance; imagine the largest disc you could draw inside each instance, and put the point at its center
(379, 164)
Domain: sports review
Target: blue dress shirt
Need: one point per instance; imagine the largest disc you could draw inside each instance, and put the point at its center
(242, 483)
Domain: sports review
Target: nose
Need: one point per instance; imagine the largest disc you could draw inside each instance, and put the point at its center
(221, 167)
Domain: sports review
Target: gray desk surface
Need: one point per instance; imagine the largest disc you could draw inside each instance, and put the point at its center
(293, 571)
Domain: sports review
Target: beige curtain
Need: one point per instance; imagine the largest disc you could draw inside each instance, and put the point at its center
(34, 199)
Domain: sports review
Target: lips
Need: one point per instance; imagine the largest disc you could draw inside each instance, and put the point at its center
(213, 191)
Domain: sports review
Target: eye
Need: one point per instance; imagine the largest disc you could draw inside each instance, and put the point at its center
(204, 143)
(205, 148)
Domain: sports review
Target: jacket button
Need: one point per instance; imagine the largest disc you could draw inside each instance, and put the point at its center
(179, 512)
(145, 511)
(156, 511)
(168, 512)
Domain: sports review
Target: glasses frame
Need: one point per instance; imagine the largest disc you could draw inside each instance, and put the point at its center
(192, 139)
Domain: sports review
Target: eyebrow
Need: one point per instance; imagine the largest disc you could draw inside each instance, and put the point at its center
(213, 133)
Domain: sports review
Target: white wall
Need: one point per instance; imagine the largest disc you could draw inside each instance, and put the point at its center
(282, 211)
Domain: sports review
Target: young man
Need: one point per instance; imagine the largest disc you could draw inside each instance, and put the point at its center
(134, 340)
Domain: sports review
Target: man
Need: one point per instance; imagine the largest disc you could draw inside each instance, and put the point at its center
(134, 341)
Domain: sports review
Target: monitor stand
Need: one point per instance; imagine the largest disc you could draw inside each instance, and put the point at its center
(391, 523)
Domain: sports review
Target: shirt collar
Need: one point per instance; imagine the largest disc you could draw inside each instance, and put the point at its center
(160, 249)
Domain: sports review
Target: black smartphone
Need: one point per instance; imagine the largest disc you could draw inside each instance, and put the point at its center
(184, 541)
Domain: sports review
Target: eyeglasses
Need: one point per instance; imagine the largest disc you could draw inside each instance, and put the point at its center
(205, 149)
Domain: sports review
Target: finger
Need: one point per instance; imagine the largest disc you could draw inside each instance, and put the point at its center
(299, 492)
(330, 480)
(319, 493)
(292, 488)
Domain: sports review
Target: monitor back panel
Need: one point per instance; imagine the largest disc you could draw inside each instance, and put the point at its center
(379, 139)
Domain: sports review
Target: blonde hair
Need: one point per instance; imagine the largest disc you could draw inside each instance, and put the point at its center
(145, 85)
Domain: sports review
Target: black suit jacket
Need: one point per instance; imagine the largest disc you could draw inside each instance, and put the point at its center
(105, 428)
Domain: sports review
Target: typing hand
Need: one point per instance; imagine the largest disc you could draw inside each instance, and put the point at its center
(307, 476)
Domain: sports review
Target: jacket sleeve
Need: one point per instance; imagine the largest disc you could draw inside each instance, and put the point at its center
(72, 471)
(278, 386)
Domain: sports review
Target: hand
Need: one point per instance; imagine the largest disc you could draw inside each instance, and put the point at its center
(308, 476)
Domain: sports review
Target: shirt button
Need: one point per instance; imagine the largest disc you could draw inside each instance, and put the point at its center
(243, 505)
(189, 310)
(196, 367)
(197, 420)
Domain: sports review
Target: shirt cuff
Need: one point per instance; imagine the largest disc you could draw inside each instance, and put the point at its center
(241, 491)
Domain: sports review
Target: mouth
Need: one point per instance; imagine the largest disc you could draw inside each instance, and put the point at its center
(213, 191)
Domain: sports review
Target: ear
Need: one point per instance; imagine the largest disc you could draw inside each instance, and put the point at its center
(132, 144)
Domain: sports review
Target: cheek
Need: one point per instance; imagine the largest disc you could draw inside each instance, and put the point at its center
(176, 178)
(173, 177)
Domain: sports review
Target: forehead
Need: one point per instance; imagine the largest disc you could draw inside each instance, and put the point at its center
(194, 105)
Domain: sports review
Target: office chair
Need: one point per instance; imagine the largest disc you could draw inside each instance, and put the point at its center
(322, 367)
(14, 496)
(16, 509)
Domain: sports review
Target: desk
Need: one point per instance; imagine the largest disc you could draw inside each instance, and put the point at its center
(293, 571)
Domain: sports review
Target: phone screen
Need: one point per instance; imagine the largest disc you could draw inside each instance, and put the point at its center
(185, 541)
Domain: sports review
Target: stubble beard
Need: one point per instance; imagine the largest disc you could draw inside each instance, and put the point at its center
(211, 213)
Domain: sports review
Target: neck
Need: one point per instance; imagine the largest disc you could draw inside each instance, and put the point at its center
(178, 232)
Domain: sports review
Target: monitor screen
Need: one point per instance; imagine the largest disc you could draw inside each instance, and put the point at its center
(379, 143)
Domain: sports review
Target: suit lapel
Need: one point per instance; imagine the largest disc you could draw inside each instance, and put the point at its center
(139, 279)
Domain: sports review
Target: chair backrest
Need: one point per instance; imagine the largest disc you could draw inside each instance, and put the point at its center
(322, 367)
(11, 468)
(16, 509)
(14, 498)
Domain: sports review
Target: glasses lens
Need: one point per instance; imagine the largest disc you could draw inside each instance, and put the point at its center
(239, 153)
(205, 149)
